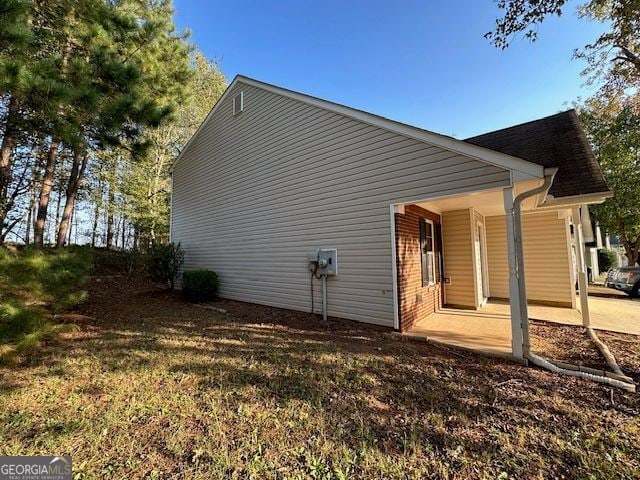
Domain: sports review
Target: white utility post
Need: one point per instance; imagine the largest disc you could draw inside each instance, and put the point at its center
(514, 289)
(583, 284)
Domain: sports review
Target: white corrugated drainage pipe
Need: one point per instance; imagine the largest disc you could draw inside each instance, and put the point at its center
(611, 360)
(544, 363)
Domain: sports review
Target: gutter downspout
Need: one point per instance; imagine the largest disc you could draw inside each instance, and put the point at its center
(549, 175)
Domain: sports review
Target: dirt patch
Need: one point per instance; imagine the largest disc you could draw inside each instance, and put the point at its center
(572, 345)
(568, 344)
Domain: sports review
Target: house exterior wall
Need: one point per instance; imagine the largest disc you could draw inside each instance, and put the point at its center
(457, 238)
(547, 258)
(255, 192)
(415, 302)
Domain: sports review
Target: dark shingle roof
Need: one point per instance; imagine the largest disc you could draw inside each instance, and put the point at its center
(555, 141)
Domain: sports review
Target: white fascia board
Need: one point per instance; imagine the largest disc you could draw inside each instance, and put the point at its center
(520, 168)
(576, 200)
(519, 165)
(205, 121)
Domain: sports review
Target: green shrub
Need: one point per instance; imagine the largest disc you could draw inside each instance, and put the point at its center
(164, 262)
(35, 284)
(53, 279)
(199, 285)
(17, 319)
(606, 260)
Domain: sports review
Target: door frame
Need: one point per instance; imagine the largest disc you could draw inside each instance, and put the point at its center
(480, 234)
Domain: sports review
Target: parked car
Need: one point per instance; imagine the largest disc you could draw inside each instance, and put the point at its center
(626, 279)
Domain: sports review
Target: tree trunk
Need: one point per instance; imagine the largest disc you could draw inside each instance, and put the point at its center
(631, 250)
(32, 204)
(112, 234)
(69, 235)
(136, 245)
(110, 209)
(96, 217)
(109, 230)
(80, 159)
(57, 220)
(124, 225)
(6, 154)
(45, 194)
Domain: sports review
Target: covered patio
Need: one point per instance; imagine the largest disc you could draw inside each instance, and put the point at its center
(473, 268)
(482, 331)
(458, 278)
(488, 330)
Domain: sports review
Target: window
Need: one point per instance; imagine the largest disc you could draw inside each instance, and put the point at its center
(427, 252)
(238, 103)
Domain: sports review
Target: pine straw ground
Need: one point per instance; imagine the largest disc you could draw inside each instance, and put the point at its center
(151, 387)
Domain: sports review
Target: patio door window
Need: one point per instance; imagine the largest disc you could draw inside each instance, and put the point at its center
(427, 252)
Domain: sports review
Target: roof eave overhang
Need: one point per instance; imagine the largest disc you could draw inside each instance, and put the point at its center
(573, 200)
(520, 169)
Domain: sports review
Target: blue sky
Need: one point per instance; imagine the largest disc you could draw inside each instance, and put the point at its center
(421, 62)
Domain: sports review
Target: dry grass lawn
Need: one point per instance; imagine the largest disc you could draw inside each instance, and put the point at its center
(150, 387)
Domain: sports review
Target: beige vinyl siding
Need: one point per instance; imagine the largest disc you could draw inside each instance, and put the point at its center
(255, 192)
(497, 256)
(547, 258)
(458, 251)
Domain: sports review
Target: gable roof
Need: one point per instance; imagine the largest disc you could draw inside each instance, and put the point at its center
(554, 141)
(521, 169)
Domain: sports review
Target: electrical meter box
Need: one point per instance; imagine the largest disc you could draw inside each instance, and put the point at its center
(324, 261)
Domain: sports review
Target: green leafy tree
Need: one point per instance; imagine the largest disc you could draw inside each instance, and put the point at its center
(615, 137)
(24, 81)
(613, 57)
(137, 76)
(164, 61)
(147, 183)
(81, 76)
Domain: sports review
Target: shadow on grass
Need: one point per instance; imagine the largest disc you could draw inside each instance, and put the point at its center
(372, 390)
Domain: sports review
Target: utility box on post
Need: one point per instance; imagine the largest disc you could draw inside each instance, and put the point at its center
(328, 261)
(324, 261)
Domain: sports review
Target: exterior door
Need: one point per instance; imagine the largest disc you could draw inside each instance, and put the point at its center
(481, 266)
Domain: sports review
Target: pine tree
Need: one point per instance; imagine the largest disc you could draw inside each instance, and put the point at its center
(79, 77)
(147, 183)
(148, 67)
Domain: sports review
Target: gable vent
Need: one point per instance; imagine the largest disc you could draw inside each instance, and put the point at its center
(238, 103)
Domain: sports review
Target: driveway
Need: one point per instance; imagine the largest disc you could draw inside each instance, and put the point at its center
(614, 314)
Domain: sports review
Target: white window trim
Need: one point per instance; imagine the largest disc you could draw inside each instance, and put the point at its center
(432, 257)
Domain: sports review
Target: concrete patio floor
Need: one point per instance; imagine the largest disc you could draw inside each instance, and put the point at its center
(488, 330)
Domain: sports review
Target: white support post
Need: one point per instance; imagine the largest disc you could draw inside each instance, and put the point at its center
(514, 288)
(583, 284)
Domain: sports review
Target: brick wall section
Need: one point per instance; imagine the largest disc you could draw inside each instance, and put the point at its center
(414, 301)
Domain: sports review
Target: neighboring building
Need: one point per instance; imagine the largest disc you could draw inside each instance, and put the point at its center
(417, 218)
